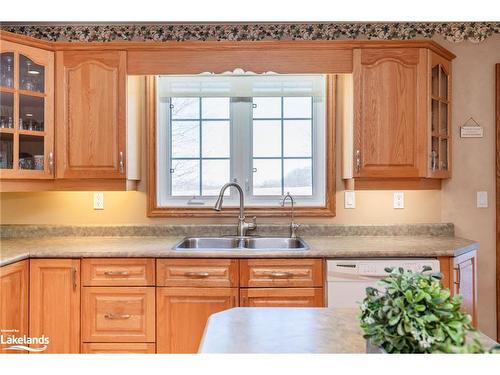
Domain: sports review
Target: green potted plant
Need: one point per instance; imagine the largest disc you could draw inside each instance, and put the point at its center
(415, 314)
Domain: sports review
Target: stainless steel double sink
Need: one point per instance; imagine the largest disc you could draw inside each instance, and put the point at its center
(241, 243)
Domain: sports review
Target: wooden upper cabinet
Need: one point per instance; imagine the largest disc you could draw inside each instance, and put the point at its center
(26, 112)
(390, 91)
(14, 283)
(55, 303)
(439, 124)
(90, 101)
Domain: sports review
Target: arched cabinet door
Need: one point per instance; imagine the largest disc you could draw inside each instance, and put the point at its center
(91, 114)
(390, 115)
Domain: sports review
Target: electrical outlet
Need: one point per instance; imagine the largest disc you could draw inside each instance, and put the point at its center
(399, 200)
(98, 201)
(349, 199)
(482, 199)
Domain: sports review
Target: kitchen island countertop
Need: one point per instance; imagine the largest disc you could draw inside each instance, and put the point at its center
(269, 330)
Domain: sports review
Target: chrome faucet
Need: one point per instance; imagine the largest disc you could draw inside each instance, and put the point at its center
(243, 226)
(293, 226)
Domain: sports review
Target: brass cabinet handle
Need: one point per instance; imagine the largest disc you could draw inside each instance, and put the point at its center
(51, 162)
(281, 275)
(358, 160)
(74, 278)
(197, 274)
(116, 273)
(116, 316)
(121, 162)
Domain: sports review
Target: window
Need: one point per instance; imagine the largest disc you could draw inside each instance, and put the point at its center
(266, 132)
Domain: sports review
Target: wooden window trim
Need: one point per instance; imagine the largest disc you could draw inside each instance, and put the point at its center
(325, 211)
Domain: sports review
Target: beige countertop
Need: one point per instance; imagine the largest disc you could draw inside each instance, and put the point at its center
(287, 330)
(14, 249)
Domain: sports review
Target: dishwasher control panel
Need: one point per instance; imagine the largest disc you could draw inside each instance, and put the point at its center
(376, 267)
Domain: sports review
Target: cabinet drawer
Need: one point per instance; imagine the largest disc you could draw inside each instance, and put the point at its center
(282, 297)
(118, 348)
(118, 272)
(215, 273)
(118, 314)
(281, 273)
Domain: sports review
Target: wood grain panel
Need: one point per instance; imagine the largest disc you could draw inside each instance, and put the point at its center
(282, 297)
(182, 314)
(118, 348)
(55, 303)
(206, 273)
(91, 114)
(117, 314)
(281, 273)
(118, 272)
(14, 284)
(218, 60)
(389, 112)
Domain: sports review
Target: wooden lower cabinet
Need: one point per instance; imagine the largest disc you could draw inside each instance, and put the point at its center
(118, 348)
(460, 276)
(55, 303)
(465, 281)
(14, 283)
(288, 273)
(182, 314)
(118, 314)
(282, 297)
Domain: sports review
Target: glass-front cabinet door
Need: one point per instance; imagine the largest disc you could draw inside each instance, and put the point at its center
(26, 112)
(440, 110)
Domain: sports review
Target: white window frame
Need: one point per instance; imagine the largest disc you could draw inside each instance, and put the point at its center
(240, 162)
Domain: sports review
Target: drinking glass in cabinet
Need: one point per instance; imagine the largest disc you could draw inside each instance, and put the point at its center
(29, 148)
(31, 75)
(7, 69)
(31, 113)
(6, 150)
(6, 110)
(435, 153)
(444, 154)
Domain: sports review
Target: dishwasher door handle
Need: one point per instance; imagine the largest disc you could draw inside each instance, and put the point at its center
(346, 265)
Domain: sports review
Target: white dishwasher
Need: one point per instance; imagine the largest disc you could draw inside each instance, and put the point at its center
(347, 279)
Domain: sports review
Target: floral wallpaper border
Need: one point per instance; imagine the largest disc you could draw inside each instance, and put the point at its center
(452, 31)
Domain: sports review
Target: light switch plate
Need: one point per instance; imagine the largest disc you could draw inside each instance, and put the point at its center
(482, 199)
(349, 199)
(98, 201)
(399, 200)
